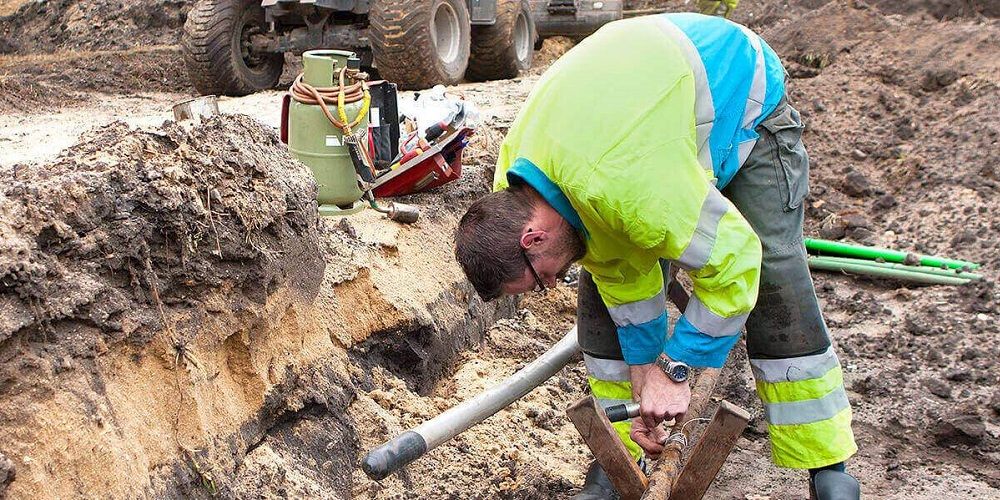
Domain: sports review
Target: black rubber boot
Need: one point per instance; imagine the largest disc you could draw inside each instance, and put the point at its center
(835, 485)
(597, 485)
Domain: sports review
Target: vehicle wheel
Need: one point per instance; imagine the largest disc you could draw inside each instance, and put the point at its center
(420, 43)
(504, 49)
(216, 43)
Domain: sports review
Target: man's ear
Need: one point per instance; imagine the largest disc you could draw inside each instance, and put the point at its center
(531, 237)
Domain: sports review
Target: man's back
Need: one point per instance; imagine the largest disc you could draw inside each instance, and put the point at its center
(642, 82)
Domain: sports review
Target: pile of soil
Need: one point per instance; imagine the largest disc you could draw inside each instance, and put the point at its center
(170, 298)
(57, 52)
(74, 25)
(129, 222)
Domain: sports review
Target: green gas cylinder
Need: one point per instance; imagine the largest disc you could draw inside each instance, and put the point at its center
(313, 140)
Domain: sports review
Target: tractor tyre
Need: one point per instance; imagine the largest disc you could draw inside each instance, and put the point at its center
(504, 49)
(420, 43)
(216, 44)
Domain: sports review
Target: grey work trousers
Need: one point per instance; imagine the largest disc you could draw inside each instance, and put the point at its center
(768, 190)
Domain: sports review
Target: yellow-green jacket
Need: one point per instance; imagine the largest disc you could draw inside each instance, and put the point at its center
(617, 137)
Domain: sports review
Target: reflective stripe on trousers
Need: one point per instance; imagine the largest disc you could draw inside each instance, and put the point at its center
(807, 411)
(609, 383)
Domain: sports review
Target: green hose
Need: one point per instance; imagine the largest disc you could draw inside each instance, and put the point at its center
(835, 248)
(936, 271)
(823, 264)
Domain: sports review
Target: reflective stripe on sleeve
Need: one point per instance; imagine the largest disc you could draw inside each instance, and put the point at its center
(755, 101)
(699, 250)
(704, 110)
(712, 324)
(606, 369)
(637, 313)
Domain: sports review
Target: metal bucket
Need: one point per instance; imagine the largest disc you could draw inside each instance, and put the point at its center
(196, 109)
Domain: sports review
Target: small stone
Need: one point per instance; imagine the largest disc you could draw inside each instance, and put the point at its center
(855, 184)
(63, 364)
(936, 79)
(346, 227)
(856, 220)
(964, 429)
(964, 237)
(7, 472)
(938, 387)
(971, 353)
(959, 375)
(885, 202)
(862, 235)
(933, 356)
(858, 154)
(833, 228)
(995, 403)
(905, 128)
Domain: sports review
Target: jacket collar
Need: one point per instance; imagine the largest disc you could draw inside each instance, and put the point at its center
(524, 171)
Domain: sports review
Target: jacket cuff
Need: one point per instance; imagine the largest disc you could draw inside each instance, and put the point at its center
(642, 343)
(690, 346)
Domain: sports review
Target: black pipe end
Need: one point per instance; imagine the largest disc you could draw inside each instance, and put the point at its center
(394, 455)
(617, 413)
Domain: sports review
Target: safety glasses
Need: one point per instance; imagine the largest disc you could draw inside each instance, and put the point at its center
(539, 284)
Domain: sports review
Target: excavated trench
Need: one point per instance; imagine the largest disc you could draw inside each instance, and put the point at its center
(178, 322)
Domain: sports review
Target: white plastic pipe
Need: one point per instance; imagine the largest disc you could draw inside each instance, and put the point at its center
(412, 444)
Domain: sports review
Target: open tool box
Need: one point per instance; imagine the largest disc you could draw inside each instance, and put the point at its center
(416, 143)
(440, 164)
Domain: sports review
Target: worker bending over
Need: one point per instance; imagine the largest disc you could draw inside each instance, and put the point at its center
(668, 141)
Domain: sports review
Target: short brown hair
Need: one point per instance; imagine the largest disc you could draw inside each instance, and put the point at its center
(488, 239)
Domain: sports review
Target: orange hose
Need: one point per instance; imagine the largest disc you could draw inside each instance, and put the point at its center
(322, 96)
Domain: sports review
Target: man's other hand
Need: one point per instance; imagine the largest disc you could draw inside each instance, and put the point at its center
(650, 440)
(659, 399)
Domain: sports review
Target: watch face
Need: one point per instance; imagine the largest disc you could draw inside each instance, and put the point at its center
(679, 372)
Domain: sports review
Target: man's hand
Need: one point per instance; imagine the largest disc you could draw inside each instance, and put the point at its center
(650, 440)
(659, 399)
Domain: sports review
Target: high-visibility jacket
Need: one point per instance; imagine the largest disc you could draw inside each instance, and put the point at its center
(630, 135)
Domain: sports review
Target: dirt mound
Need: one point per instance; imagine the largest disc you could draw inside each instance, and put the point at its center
(129, 221)
(552, 49)
(91, 24)
(117, 260)
(902, 127)
(58, 52)
(53, 81)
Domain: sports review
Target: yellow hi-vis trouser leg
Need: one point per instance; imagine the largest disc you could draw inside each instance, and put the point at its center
(610, 385)
(807, 411)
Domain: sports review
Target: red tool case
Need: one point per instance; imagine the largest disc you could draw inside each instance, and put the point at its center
(440, 164)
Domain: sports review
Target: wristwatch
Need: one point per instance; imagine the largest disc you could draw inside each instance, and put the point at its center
(675, 370)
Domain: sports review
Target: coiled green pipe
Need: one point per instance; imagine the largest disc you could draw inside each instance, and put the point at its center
(834, 248)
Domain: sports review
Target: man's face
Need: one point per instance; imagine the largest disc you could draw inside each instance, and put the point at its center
(550, 259)
(550, 266)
